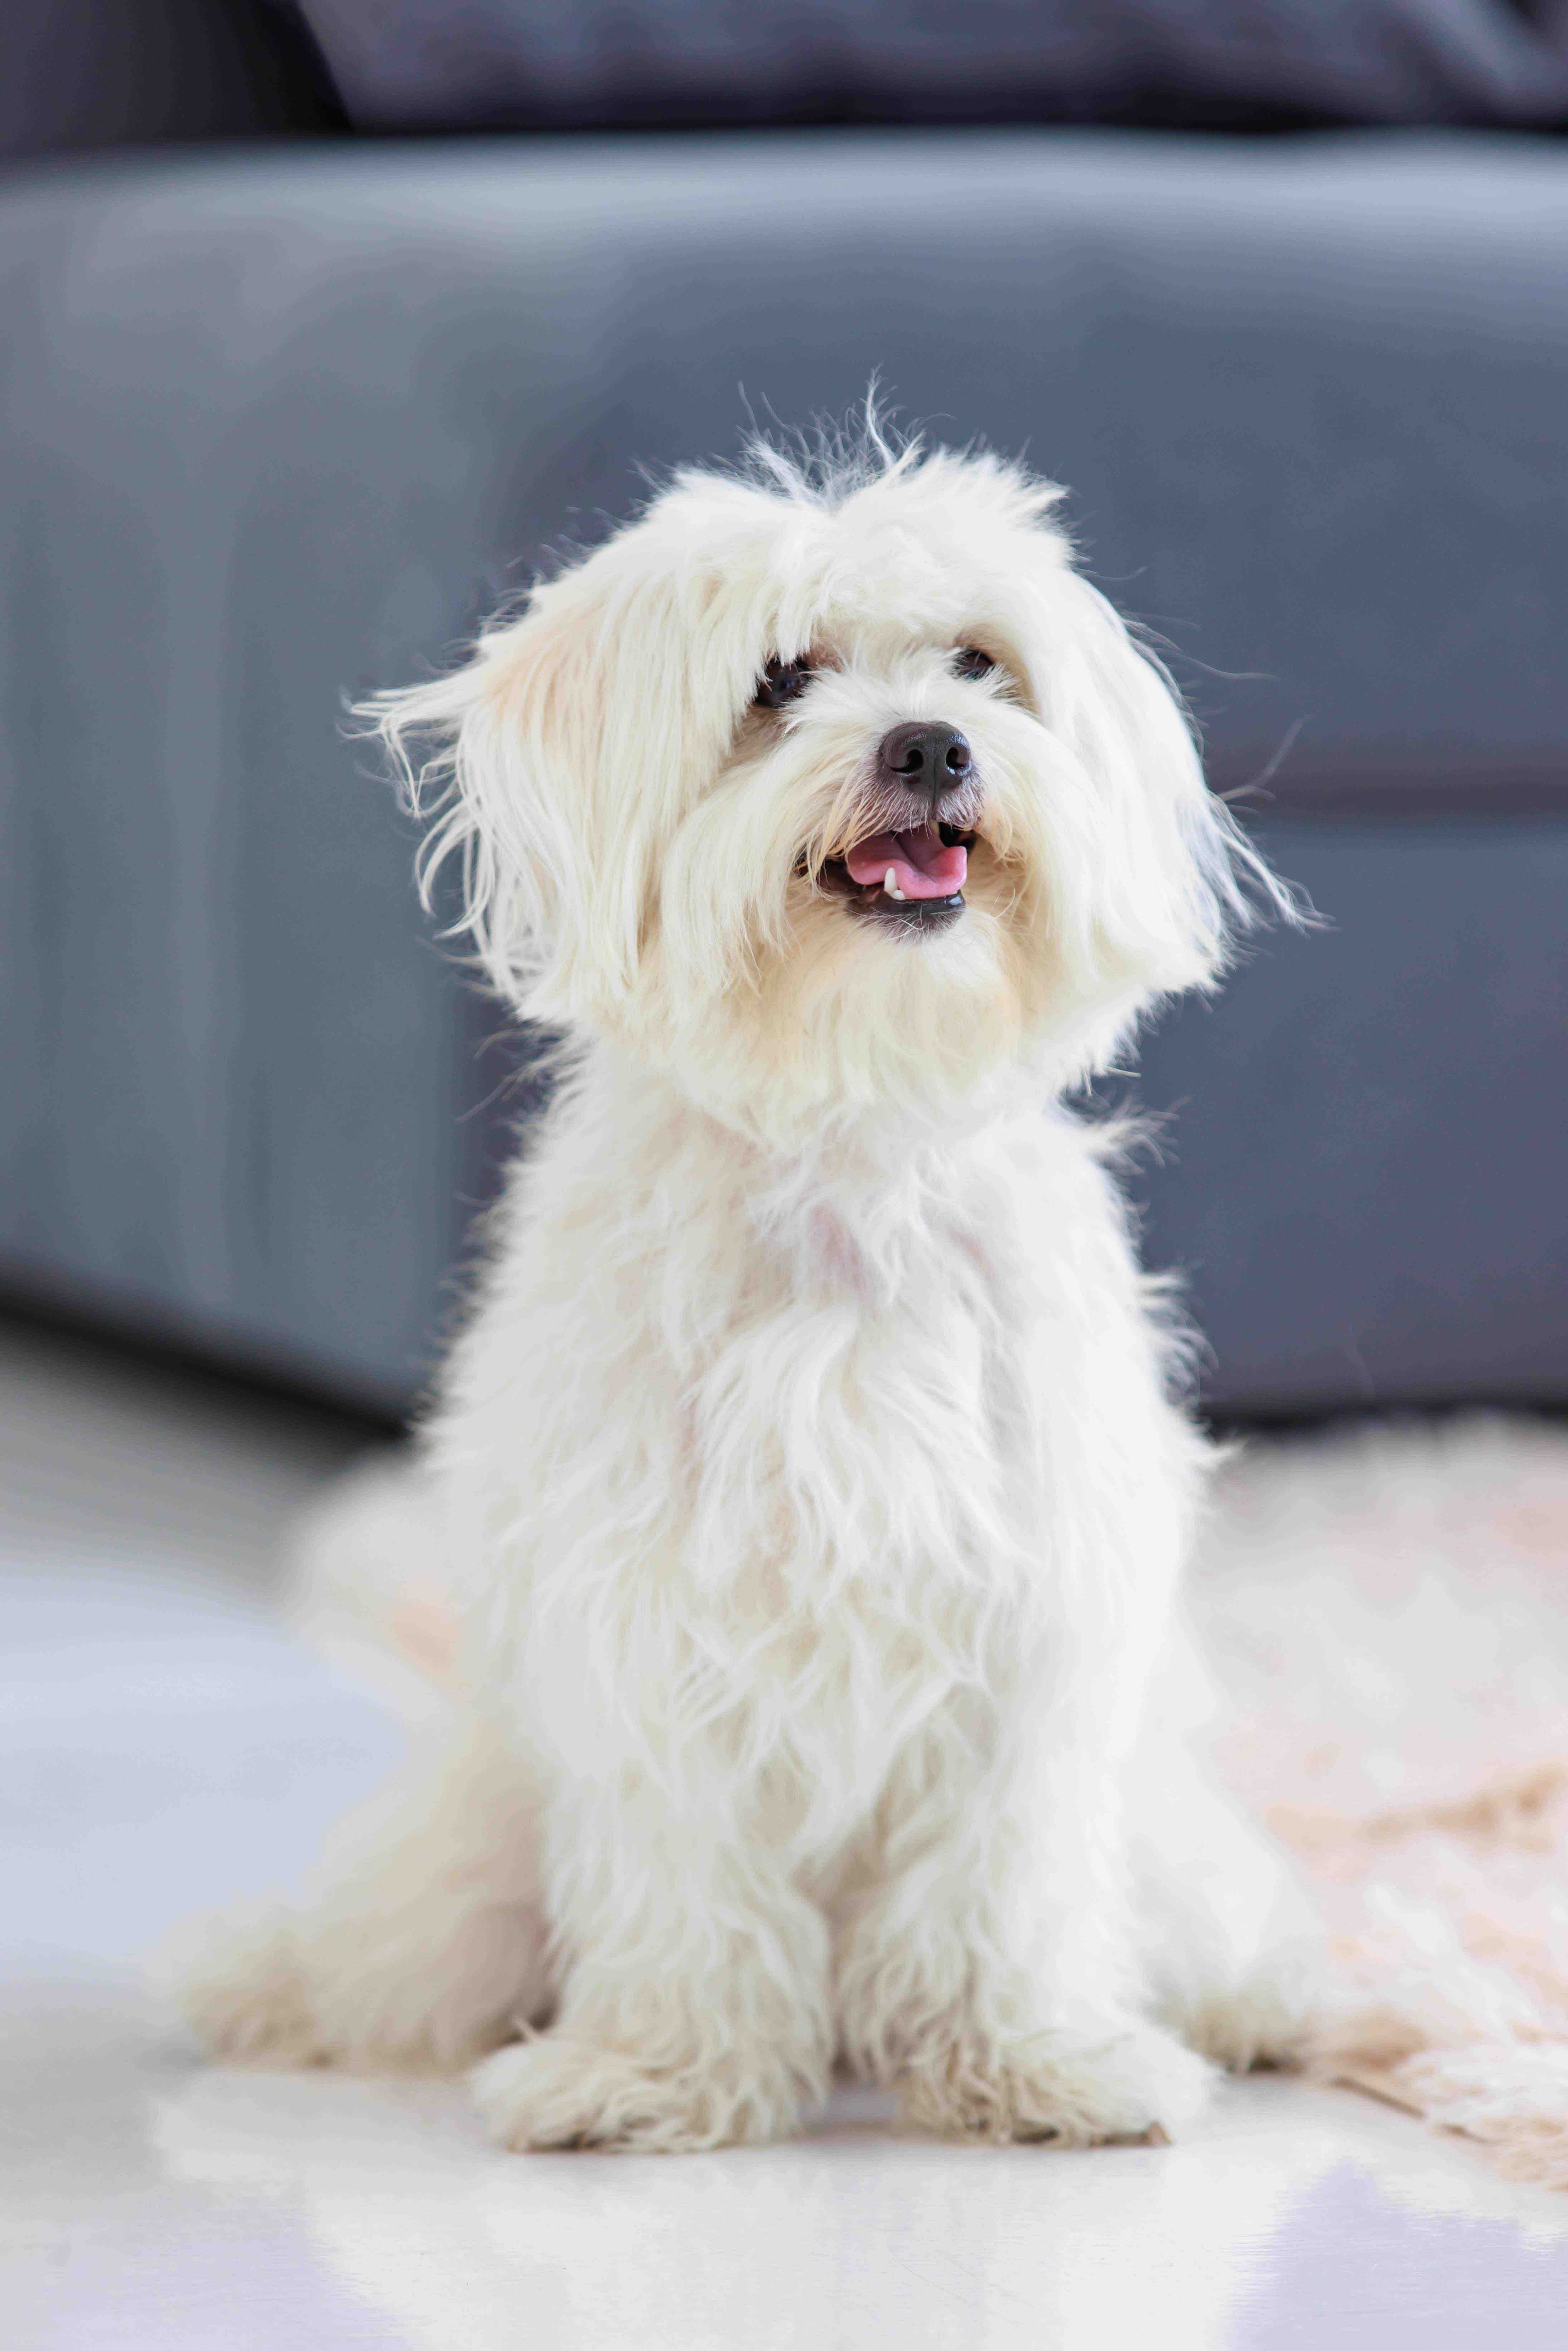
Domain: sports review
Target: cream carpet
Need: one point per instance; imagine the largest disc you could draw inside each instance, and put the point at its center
(1388, 1614)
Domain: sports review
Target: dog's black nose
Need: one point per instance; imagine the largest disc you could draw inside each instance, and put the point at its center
(925, 756)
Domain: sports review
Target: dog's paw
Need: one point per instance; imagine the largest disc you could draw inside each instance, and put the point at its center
(238, 1980)
(558, 2091)
(1126, 2083)
(1266, 2019)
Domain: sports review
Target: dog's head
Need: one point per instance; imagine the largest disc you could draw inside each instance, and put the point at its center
(829, 788)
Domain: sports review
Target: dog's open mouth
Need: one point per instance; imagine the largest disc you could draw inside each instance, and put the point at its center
(914, 877)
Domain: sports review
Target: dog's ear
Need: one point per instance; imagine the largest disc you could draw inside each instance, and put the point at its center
(546, 762)
(1169, 879)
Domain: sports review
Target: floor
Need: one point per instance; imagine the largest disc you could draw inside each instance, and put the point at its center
(167, 1745)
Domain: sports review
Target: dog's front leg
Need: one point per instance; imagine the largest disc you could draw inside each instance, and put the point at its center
(989, 1966)
(695, 2009)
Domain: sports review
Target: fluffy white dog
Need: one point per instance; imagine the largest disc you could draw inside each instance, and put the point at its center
(809, 1455)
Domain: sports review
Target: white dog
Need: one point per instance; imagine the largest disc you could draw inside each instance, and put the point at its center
(809, 1455)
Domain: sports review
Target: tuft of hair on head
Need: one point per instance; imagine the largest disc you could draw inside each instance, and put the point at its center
(827, 462)
(833, 459)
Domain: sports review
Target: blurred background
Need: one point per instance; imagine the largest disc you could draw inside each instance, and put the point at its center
(325, 320)
(321, 322)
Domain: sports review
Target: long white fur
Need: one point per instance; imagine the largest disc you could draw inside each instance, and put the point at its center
(814, 1483)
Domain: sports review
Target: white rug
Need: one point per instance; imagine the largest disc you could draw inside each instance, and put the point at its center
(1387, 1614)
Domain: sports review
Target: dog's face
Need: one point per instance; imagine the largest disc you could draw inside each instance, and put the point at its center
(828, 796)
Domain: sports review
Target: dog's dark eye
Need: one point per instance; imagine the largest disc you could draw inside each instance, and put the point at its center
(970, 661)
(781, 681)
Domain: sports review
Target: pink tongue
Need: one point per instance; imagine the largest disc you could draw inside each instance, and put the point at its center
(922, 866)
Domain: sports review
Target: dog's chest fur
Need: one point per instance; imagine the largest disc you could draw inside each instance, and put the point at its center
(786, 1438)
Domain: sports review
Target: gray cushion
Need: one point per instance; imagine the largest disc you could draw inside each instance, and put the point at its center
(445, 63)
(113, 73)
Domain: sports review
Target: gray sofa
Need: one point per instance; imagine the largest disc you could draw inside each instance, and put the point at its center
(280, 425)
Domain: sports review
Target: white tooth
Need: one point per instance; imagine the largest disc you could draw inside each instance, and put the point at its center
(889, 882)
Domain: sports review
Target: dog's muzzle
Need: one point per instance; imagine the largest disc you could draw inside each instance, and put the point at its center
(909, 871)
